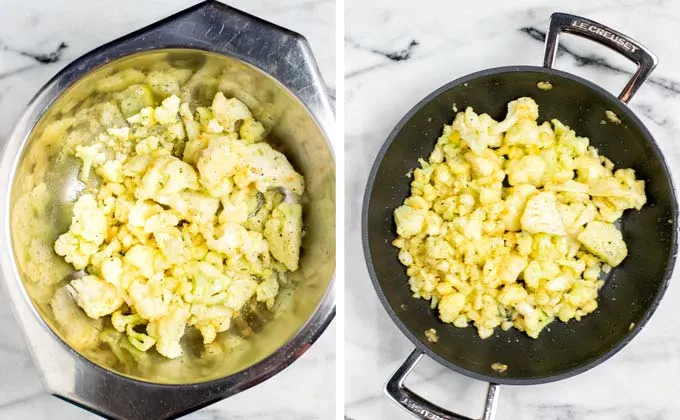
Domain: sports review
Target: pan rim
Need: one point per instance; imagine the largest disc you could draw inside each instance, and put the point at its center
(416, 339)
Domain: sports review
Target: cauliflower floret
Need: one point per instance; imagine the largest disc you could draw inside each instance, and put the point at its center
(166, 114)
(87, 231)
(527, 170)
(127, 323)
(256, 249)
(92, 156)
(267, 291)
(589, 168)
(165, 177)
(193, 206)
(605, 241)
(409, 221)
(145, 117)
(229, 111)
(541, 215)
(142, 258)
(75, 250)
(527, 132)
(150, 299)
(97, 297)
(111, 171)
(234, 209)
(210, 320)
(229, 238)
(161, 221)
(520, 109)
(477, 131)
(208, 283)
(141, 211)
(512, 294)
(136, 166)
(622, 190)
(267, 168)
(483, 163)
(217, 165)
(239, 292)
(168, 330)
(514, 205)
(513, 265)
(284, 234)
(171, 245)
(112, 270)
(450, 306)
(252, 131)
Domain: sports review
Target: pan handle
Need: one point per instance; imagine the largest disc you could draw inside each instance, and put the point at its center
(624, 45)
(424, 409)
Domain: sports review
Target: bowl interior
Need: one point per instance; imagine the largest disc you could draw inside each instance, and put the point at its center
(36, 220)
(632, 290)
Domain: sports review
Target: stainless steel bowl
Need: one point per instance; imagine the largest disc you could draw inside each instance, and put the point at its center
(270, 69)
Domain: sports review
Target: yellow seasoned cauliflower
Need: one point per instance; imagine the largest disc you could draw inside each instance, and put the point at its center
(165, 177)
(268, 290)
(283, 232)
(229, 111)
(605, 241)
(510, 223)
(86, 234)
(195, 207)
(267, 168)
(210, 320)
(477, 131)
(150, 298)
(217, 165)
(95, 296)
(541, 215)
(409, 221)
(169, 329)
(193, 216)
(240, 290)
(92, 156)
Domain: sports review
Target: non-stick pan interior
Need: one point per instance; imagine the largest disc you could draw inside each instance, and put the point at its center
(632, 290)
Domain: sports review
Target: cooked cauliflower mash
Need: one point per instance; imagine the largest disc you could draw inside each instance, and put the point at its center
(184, 219)
(511, 223)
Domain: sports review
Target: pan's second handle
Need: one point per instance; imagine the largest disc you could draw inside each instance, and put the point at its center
(624, 45)
(424, 409)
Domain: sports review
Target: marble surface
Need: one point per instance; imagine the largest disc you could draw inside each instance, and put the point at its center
(395, 54)
(37, 39)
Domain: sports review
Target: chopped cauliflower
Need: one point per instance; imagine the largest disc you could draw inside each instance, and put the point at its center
(605, 241)
(97, 297)
(541, 215)
(175, 234)
(284, 234)
(229, 111)
(86, 234)
(169, 329)
(267, 168)
(511, 223)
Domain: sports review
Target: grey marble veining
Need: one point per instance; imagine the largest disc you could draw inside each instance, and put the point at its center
(38, 38)
(395, 55)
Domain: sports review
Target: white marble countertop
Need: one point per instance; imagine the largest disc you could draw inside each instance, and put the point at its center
(395, 55)
(31, 33)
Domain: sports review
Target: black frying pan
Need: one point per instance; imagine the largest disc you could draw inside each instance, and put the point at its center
(632, 291)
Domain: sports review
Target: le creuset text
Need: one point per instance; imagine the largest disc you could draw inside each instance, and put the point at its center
(605, 33)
